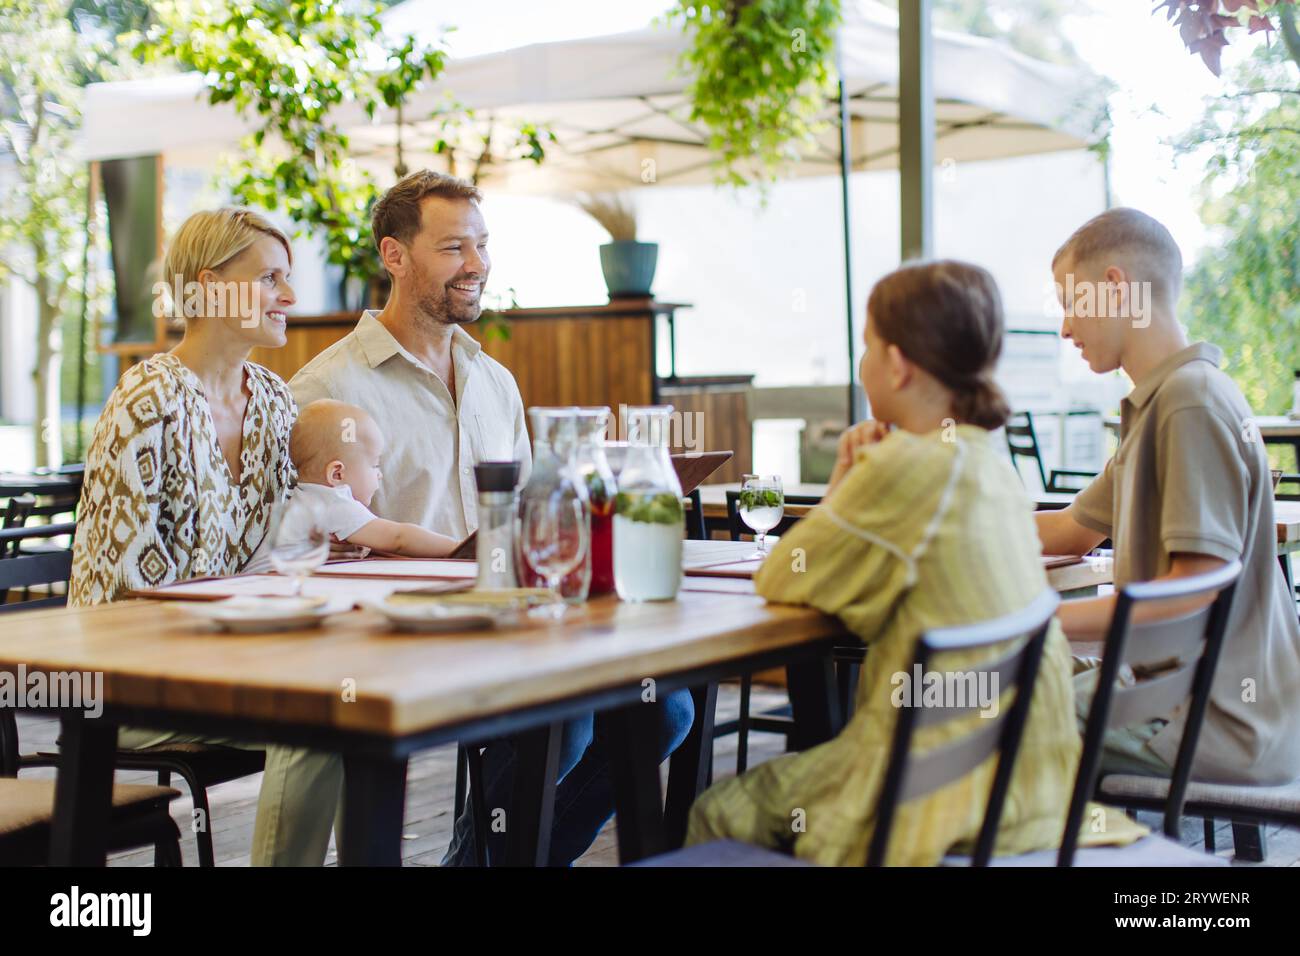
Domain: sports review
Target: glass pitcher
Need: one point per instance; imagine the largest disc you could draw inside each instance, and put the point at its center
(602, 487)
(648, 525)
(555, 474)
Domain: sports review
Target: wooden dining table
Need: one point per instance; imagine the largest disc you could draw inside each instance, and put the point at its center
(354, 687)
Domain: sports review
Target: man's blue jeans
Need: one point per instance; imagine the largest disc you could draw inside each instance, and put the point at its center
(584, 798)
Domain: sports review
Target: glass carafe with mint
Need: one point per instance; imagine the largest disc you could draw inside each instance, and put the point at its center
(648, 514)
(602, 487)
(555, 479)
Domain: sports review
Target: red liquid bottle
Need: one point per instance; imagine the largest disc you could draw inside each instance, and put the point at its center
(602, 547)
(601, 490)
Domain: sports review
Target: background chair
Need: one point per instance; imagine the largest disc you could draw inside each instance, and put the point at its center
(908, 775)
(139, 815)
(23, 569)
(778, 719)
(1022, 442)
(199, 765)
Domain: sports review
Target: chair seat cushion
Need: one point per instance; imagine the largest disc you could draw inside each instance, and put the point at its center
(1281, 800)
(1153, 850)
(30, 803)
(722, 853)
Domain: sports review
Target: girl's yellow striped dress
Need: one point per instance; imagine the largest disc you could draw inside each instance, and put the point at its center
(924, 531)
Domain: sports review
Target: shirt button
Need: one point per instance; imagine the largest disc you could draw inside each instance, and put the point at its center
(464, 471)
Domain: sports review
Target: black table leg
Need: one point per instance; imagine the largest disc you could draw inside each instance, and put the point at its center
(688, 769)
(83, 791)
(814, 701)
(633, 736)
(374, 803)
(532, 804)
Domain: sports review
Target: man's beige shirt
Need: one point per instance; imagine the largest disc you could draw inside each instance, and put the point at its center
(433, 439)
(1191, 475)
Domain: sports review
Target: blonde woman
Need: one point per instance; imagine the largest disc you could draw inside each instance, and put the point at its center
(188, 458)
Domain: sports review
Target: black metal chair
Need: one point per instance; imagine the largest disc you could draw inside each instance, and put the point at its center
(1247, 806)
(469, 780)
(200, 765)
(1022, 442)
(695, 528)
(21, 569)
(848, 660)
(139, 815)
(909, 775)
(1173, 660)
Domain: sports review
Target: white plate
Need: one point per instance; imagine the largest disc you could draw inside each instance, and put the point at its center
(248, 615)
(432, 617)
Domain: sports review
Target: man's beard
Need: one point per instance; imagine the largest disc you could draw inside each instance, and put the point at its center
(439, 304)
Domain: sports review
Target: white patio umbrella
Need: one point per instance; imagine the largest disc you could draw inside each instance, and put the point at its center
(617, 107)
(615, 101)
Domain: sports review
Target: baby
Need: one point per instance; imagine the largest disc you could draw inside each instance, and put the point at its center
(336, 449)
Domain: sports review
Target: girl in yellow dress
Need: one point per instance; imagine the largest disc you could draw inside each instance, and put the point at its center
(924, 525)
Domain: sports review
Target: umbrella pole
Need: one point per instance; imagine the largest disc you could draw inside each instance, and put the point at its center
(848, 246)
(92, 171)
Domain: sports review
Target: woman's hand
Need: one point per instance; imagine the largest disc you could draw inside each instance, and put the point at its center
(346, 550)
(858, 436)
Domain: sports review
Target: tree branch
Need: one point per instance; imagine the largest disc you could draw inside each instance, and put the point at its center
(1281, 90)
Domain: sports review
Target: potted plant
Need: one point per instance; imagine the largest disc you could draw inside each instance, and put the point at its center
(629, 265)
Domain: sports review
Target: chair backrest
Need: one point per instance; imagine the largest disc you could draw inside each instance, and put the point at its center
(8, 742)
(736, 527)
(19, 570)
(909, 776)
(695, 527)
(15, 513)
(1172, 652)
(1022, 442)
(1287, 488)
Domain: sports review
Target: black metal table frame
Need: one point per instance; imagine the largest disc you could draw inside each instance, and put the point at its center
(375, 765)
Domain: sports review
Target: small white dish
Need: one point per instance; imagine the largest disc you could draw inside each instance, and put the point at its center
(435, 617)
(252, 615)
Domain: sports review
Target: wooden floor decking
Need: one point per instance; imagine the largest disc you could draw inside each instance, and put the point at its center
(431, 780)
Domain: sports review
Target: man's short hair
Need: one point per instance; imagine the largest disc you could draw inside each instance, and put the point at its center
(1133, 240)
(397, 212)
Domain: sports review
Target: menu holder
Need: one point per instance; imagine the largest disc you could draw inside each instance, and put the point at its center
(693, 468)
(727, 569)
(418, 569)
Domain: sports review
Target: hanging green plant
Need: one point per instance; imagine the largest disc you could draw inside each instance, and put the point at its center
(760, 74)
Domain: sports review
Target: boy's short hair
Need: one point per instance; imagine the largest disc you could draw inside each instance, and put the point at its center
(1138, 242)
(319, 432)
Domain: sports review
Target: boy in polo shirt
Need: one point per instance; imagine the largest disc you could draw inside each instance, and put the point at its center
(1188, 490)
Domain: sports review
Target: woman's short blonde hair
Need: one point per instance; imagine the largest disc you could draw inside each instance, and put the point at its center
(210, 239)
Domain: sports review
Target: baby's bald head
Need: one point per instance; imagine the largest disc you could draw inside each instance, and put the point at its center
(328, 431)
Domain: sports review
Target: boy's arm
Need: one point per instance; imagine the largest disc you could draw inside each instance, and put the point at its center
(1088, 619)
(1085, 523)
(408, 540)
(1061, 534)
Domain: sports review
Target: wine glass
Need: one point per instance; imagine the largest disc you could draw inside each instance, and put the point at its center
(299, 541)
(762, 505)
(554, 535)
